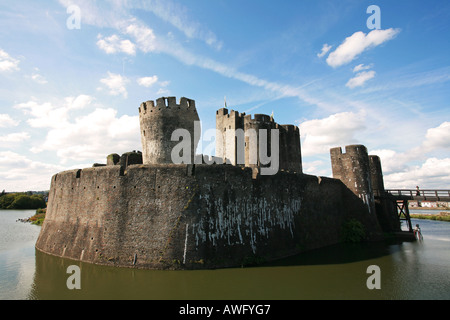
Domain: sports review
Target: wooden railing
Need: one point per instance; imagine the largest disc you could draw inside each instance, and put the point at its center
(424, 195)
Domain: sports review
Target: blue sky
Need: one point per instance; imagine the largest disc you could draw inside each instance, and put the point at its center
(69, 94)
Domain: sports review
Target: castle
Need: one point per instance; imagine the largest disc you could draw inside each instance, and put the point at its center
(145, 210)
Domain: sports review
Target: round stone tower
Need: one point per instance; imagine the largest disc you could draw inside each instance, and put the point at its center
(159, 121)
(353, 169)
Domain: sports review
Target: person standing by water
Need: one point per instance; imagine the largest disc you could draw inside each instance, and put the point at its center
(417, 233)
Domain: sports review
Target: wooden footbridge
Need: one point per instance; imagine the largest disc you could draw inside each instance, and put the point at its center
(401, 197)
(421, 195)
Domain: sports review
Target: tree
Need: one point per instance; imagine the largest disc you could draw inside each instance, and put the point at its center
(22, 201)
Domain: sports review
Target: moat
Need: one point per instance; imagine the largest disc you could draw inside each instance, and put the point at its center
(409, 270)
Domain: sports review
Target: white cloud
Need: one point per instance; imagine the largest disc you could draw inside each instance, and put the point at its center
(7, 121)
(336, 130)
(116, 84)
(357, 43)
(147, 81)
(325, 50)
(18, 173)
(401, 170)
(361, 67)
(391, 161)
(98, 13)
(316, 167)
(93, 136)
(115, 13)
(8, 63)
(360, 79)
(47, 115)
(38, 78)
(144, 36)
(16, 137)
(12, 138)
(163, 91)
(438, 137)
(114, 44)
(44, 115)
(78, 102)
(81, 138)
(433, 173)
(178, 16)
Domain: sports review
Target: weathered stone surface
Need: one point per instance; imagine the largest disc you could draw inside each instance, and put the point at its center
(218, 217)
(112, 159)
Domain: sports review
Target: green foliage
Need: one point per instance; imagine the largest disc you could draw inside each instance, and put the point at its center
(353, 231)
(443, 216)
(6, 200)
(252, 260)
(38, 218)
(22, 201)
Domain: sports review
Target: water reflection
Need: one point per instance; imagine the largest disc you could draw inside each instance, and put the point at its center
(342, 253)
(337, 272)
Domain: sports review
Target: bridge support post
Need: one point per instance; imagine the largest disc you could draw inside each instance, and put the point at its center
(403, 212)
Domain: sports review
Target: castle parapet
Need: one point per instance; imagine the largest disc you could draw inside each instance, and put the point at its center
(167, 104)
(290, 128)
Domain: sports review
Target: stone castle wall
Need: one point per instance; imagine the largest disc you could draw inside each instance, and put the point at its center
(193, 216)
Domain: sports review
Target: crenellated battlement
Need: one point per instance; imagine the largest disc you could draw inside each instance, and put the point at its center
(350, 150)
(258, 118)
(290, 128)
(224, 112)
(166, 104)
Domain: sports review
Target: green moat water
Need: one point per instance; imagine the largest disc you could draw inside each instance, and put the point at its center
(409, 270)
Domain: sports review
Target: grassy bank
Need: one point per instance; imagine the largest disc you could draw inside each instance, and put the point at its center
(38, 218)
(442, 216)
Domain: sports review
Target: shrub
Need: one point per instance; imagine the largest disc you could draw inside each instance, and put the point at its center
(353, 231)
(7, 200)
